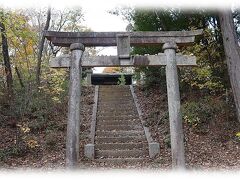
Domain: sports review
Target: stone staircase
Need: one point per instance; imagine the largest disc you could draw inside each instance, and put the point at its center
(119, 136)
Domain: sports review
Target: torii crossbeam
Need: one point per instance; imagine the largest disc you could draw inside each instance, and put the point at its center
(113, 61)
(123, 41)
(89, 39)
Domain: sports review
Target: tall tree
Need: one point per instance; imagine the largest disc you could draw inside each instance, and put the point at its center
(232, 52)
(40, 47)
(6, 58)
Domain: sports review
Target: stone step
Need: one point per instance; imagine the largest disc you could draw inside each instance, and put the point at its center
(122, 146)
(119, 133)
(115, 97)
(119, 136)
(99, 114)
(110, 100)
(120, 161)
(124, 111)
(129, 116)
(110, 96)
(132, 123)
(120, 153)
(106, 110)
(114, 88)
(115, 103)
(122, 139)
(123, 93)
(114, 107)
(118, 118)
(116, 91)
(118, 127)
(128, 95)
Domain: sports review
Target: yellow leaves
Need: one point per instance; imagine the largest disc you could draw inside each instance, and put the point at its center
(27, 138)
(55, 86)
(21, 38)
(24, 128)
(238, 134)
(29, 47)
(112, 70)
(32, 143)
(56, 99)
(192, 120)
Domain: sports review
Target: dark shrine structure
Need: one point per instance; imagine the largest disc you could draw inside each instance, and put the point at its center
(110, 79)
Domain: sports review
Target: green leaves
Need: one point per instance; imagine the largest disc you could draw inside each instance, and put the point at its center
(211, 73)
(121, 80)
(196, 113)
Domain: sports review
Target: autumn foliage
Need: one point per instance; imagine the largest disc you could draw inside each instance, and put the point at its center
(112, 70)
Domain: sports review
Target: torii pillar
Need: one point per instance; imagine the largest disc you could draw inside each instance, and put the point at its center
(175, 118)
(73, 124)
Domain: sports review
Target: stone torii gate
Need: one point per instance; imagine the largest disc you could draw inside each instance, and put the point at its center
(77, 41)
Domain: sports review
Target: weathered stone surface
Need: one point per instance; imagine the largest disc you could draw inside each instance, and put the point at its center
(89, 76)
(120, 136)
(89, 151)
(154, 147)
(109, 38)
(73, 124)
(94, 115)
(176, 130)
(113, 61)
(50, 34)
(77, 46)
(123, 46)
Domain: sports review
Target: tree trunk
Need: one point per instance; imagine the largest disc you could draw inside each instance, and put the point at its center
(6, 59)
(232, 52)
(40, 47)
(19, 77)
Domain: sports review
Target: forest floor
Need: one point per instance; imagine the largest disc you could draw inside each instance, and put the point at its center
(211, 146)
(214, 147)
(49, 136)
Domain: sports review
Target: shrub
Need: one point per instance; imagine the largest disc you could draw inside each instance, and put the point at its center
(198, 113)
(13, 151)
(51, 140)
(121, 80)
(152, 77)
(37, 125)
